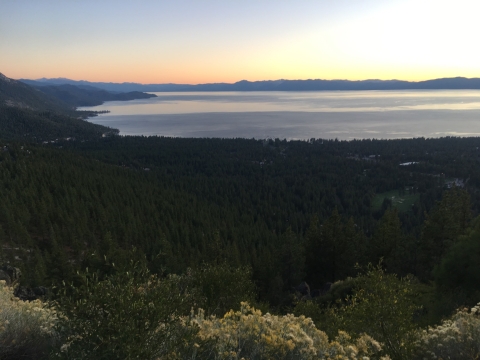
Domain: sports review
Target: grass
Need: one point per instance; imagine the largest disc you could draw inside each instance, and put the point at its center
(403, 202)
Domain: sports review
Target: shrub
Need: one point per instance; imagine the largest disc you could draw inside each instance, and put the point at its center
(250, 335)
(130, 314)
(319, 309)
(458, 273)
(455, 338)
(221, 287)
(27, 328)
(381, 305)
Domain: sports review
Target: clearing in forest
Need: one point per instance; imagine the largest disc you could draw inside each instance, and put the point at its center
(402, 202)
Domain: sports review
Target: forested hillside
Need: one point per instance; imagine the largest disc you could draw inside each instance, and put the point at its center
(286, 225)
(17, 94)
(239, 219)
(246, 201)
(85, 95)
(31, 115)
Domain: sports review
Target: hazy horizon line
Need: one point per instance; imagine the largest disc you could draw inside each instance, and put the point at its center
(251, 81)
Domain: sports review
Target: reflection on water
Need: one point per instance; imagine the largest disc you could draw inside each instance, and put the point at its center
(299, 115)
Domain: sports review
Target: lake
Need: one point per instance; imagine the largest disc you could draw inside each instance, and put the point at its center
(298, 115)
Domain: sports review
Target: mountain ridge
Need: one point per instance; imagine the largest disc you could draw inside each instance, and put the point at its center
(29, 114)
(452, 83)
(85, 95)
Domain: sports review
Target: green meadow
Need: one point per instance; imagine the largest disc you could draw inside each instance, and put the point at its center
(402, 202)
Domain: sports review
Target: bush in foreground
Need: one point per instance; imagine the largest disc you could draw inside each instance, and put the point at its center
(221, 287)
(456, 338)
(250, 335)
(382, 305)
(127, 315)
(26, 327)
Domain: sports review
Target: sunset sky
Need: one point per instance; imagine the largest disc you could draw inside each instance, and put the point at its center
(226, 41)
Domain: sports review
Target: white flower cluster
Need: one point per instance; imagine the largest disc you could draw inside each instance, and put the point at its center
(247, 334)
(455, 338)
(24, 324)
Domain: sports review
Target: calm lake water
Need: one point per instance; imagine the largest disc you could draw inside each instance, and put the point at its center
(298, 115)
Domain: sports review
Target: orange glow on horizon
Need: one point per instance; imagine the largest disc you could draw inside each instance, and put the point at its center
(190, 42)
(204, 77)
(199, 82)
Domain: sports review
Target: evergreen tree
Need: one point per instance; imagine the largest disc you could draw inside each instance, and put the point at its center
(387, 240)
(38, 270)
(291, 260)
(445, 223)
(330, 250)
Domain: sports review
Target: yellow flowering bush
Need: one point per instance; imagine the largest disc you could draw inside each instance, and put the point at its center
(455, 338)
(26, 327)
(247, 334)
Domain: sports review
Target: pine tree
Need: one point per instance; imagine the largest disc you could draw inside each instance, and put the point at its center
(443, 226)
(291, 258)
(386, 238)
(38, 269)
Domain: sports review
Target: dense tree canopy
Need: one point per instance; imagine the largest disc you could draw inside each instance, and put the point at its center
(290, 210)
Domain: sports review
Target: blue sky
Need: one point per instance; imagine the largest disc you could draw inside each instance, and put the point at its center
(226, 41)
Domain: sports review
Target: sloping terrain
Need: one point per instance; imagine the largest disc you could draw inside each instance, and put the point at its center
(88, 95)
(29, 114)
(14, 93)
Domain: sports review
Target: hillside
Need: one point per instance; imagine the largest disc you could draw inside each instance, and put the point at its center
(16, 94)
(27, 113)
(281, 224)
(172, 224)
(197, 199)
(85, 95)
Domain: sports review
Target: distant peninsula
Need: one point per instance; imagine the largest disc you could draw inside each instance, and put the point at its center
(272, 85)
(84, 95)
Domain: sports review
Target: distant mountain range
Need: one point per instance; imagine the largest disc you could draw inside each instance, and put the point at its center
(276, 85)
